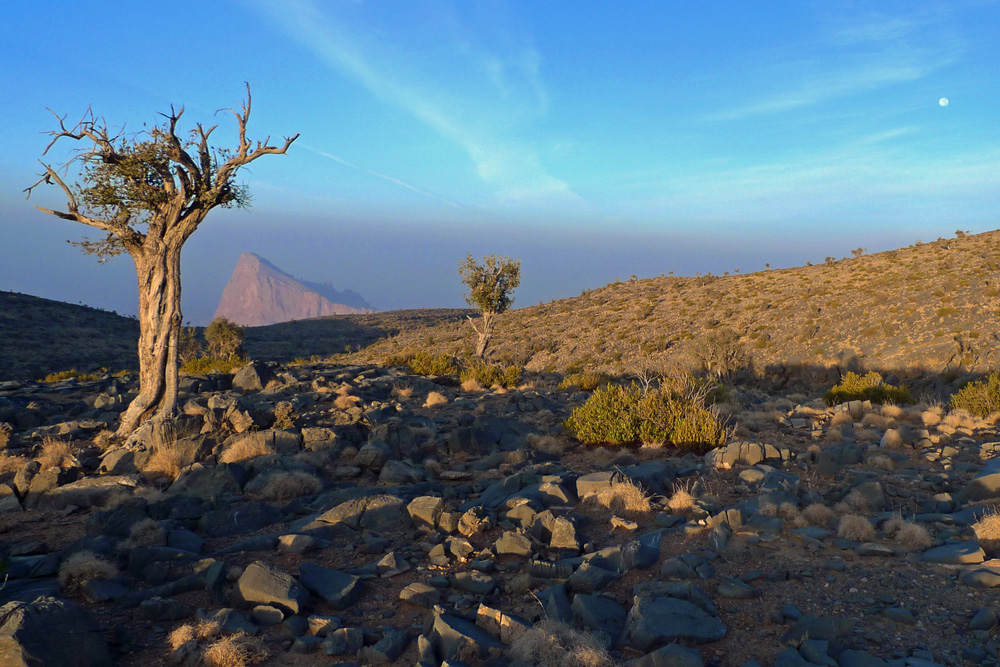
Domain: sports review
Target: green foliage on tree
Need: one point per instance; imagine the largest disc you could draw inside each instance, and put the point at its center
(225, 339)
(490, 284)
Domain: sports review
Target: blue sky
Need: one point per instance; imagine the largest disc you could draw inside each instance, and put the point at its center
(592, 140)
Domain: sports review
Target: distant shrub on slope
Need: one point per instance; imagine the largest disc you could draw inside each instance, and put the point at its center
(980, 398)
(855, 387)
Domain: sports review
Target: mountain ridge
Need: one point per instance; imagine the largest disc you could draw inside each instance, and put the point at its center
(259, 293)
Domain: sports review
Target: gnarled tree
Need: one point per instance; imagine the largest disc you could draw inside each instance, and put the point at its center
(148, 192)
(490, 285)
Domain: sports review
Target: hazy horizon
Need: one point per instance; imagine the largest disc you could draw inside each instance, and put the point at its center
(591, 141)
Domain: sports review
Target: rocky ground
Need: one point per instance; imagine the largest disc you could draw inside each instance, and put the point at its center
(323, 514)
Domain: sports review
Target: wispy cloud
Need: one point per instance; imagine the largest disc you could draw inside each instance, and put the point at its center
(854, 56)
(378, 174)
(484, 115)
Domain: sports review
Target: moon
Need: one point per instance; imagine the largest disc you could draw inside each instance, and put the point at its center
(943, 101)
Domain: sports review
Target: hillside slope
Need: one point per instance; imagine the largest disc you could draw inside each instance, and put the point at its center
(933, 307)
(40, 336)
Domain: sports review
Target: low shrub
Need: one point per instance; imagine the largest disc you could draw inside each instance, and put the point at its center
(425, 363)
(204, 365)
(855, 387)
(585, 381)
(71, 374)
(492, 375)
(84, 566)
(675, 413)
(980, 398)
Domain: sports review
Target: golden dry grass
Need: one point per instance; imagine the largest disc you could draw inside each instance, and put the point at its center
(165, 462)
(876, 421)
(550, 444)
(11, 464)
(145, 533)
(913, 537)
(893, 412)
(681, 501)
(987, 530)
(346, 402)
(893, 439)
(880, 461)
(856, 528)
(85, 566)
(289, 485)
(55, 453)
(435, 398)
(625, 497)
(555, 644)
(853, 503)
(841, 418)
(179, 636)
(931, 417)
(819, 515)
(245, 449)
(471, 385)
(401, 392)
(236, 650)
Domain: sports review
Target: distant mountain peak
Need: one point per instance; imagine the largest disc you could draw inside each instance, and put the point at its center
(260, 293)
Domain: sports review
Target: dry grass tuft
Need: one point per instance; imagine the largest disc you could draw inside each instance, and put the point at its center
(145, 533)
(11, 464)
(987, 530)
(346, 402)
(624, 497)
(85, 566)
(55, 454)
(104, 440)
(841, 418)
(549, 444)
(893, 412)
(237, 650)
(853, 503)
(166, 462)
(180, 635)
(932, 416)
(555, 644)
(893, 439)
(819, 515)
(856, 528)
(876, 421)
(289, 485)
(472, 386)
(401, 392)
(880, 461)
(434, 399)
(913, 537)
(245, 449)
(681, 501)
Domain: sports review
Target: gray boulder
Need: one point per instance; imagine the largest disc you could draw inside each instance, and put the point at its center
(339, 589)
(655, 622)
(28, 630)
(263, 584)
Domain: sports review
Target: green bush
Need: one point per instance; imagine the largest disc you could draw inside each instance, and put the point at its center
(980, 398)
(492, 375)
(205, 365)
(855, 387)
(425, 363)
(585, 380)
(225, 339)
(673, 414)
(607, 418)
(71, 374)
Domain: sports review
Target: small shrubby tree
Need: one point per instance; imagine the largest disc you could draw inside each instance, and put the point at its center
(148, 192)
(225, 339)
(490, 286)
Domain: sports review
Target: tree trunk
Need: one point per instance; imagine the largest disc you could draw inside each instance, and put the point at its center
(158, 268)
(489, 319)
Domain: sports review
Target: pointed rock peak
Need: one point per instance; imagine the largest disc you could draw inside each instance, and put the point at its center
(260, 293)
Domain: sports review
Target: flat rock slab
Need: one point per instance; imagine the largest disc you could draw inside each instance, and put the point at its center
(262, 584)
(28, 630)
(959, 553)
(378, 512)
(982, 579)
(339, 589)
(451, 635)
(671, 655)
(655, 622)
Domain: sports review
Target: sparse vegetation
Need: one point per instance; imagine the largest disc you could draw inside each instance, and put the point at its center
(555, 644)
(585, 380)
(869, 387)
(85, 566)
(492, 375)
(979, 398)
(675, 413)
(225, 339)
(71, 374)
(490, 287)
